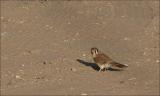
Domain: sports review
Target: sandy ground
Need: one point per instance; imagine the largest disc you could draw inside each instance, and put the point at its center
(45, 47)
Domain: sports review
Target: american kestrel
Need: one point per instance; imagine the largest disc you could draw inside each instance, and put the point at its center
(103, 61)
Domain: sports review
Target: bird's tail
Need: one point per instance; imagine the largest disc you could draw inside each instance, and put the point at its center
(119, 65)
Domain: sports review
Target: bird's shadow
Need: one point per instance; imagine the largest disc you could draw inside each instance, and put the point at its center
(94, 65)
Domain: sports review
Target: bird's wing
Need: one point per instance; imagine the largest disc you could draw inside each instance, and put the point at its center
(102, 59)
(118, 64)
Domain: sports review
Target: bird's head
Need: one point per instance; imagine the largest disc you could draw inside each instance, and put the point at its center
(94, 51)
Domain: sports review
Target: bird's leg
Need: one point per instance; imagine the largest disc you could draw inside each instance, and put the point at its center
(100, 70)
(104, 69)
(107, 68)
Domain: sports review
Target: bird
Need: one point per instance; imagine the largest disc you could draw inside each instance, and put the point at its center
(104, 61)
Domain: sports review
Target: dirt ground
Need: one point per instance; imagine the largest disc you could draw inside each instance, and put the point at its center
(45, 47)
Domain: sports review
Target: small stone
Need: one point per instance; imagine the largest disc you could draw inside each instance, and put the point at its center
(42, 77)
(51, 27)
(132, 78)
(97, 23)
(84, 55)
(123, 16)
(69, 23)
(77, 34)
(157, 61)
(19, 77)
(73, 69)
(25, 7)
(21, 22)
(144, 53)
(84, 94)
(44, 62)
(66, 40)
(126, 38)
(46, 25)
(135, 83)
(22, 65)
(21, 70)
(146, 48)
(29, 51)
(3, 33)
(121, 82)
(2, 17)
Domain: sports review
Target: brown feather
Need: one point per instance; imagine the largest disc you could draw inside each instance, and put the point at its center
(118, 65)
(102, 59)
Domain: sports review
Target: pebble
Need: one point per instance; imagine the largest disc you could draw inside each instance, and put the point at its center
(121, 82)
(84, 55)
(135, 83)
(46, 25)
(19, 77)
(21, 22)
(21, 70)
(22, 65)
(42, 77)
(77, 34)
(126, 38)
(132, 78)
(44, 62)
(3, 33)
(157, 61)
(66, 40)
(84, 94)
(2, 17)
(29, 51)
(123, 16)
(69, 23)
(73, 69)
(144, 53)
